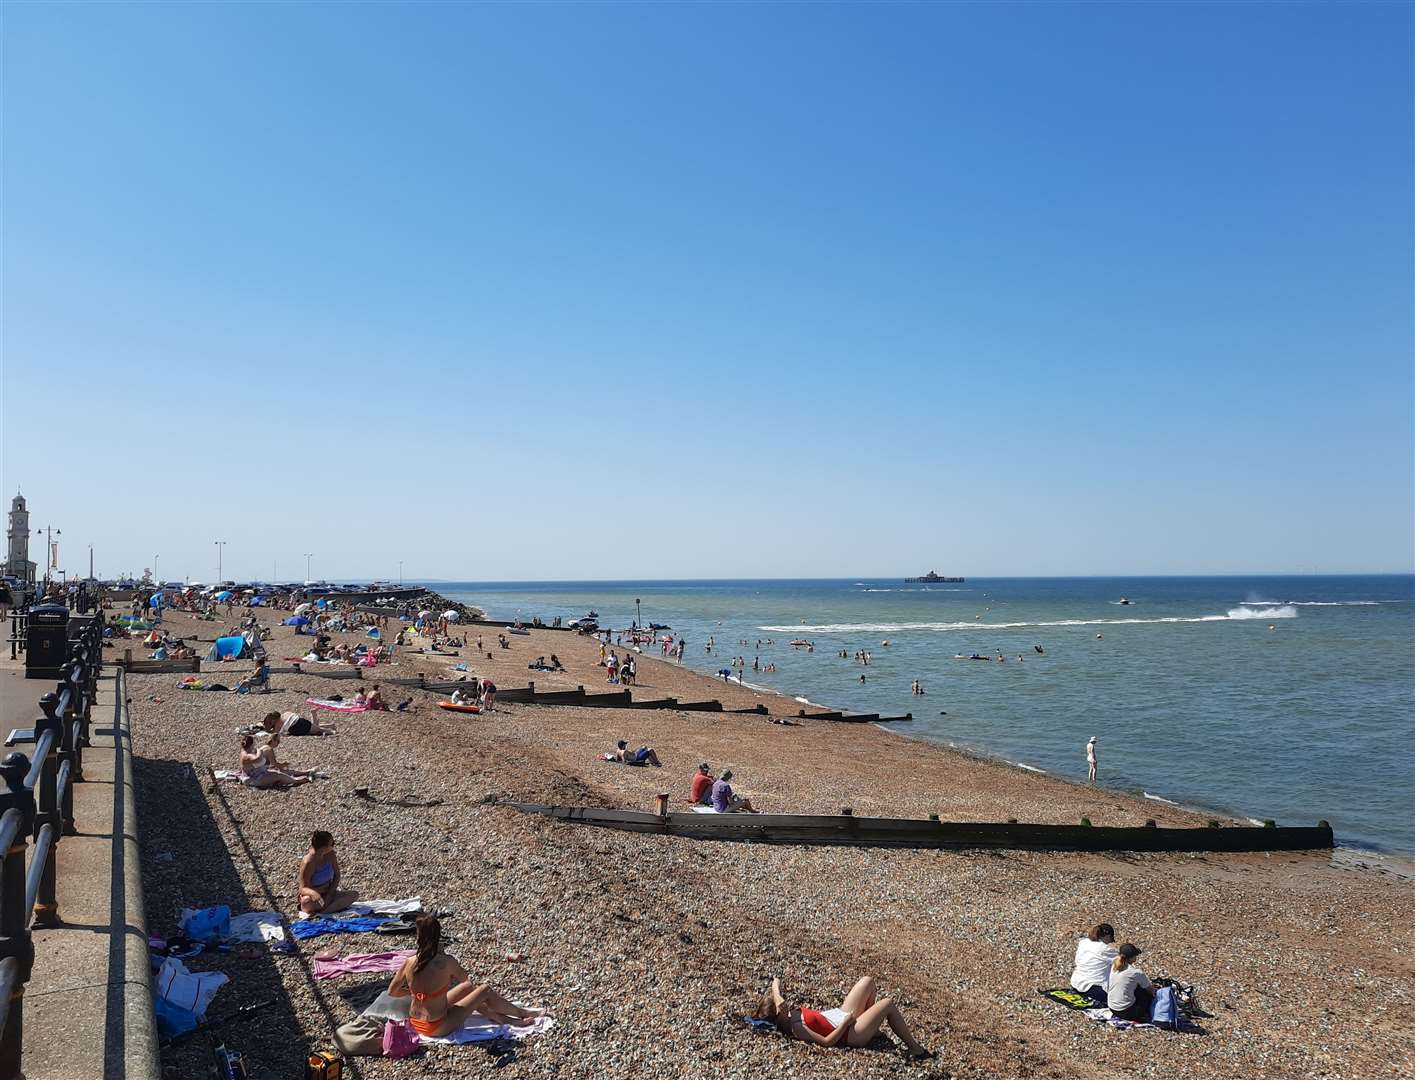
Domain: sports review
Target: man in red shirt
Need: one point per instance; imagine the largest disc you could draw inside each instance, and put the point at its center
(702, 785)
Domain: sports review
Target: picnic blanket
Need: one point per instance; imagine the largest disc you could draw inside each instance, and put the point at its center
(1071, 999)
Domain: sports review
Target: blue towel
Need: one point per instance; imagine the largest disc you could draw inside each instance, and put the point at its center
(328, 924)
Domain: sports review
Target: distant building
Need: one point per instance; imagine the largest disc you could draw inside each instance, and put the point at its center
(17, 562)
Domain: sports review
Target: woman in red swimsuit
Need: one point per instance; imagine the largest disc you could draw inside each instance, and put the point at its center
(855, 1023)
(442, 991)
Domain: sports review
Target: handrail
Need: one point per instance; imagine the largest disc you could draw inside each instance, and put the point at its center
(36, 800)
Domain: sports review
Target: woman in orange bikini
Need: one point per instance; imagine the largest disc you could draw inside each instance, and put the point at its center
(855, 1023)
(442, 991)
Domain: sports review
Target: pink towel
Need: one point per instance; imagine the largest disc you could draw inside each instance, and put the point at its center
(359, 962)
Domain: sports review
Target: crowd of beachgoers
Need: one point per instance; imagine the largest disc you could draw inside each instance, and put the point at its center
(558, 948)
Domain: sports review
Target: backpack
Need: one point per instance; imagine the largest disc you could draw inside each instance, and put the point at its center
(1164, 1012)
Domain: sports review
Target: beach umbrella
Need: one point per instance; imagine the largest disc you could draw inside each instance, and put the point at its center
(373, 633)
(156, 601)
(424, 613)
(297, 620)
(224, 594)
(451, 616)
(303, 608)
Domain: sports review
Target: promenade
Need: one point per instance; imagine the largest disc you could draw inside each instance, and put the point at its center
(88, 1004)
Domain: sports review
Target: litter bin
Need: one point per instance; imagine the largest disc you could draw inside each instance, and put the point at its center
(47, 646)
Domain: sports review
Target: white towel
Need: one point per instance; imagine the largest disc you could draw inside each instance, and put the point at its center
(258, 926)
(175, 984)
(375, 907)
(477, 1028)
(702, 809)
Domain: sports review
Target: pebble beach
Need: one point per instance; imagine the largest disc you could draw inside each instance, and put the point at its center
(649, 949)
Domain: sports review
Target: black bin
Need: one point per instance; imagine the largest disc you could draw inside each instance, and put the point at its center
(47, 646)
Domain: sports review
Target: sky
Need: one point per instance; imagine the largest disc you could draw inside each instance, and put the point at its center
(542, 291)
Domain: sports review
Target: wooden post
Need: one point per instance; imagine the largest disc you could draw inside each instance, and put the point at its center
(663, 804)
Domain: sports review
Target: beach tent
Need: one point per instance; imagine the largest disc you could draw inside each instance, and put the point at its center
(228, 648)
(297, 620)
(224, 594)
(373, 633)
(303, 608)
(256, 601)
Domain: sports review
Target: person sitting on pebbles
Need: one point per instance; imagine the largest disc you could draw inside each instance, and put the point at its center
(260, 769)
(644, 755)
(1095, 952)
(319, 878)
(442, 991)
(725, 801)
(858, 1020)
(374, 702)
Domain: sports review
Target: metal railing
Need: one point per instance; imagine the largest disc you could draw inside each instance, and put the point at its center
(37, 805)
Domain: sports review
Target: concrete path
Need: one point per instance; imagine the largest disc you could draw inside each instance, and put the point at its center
(88, 1004)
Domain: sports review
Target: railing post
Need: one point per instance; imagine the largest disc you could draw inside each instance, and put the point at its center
(46, 901)
(15, 940)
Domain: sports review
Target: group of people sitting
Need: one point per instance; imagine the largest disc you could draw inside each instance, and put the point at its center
(260, 768)
(717, 792)
(1109, 976)
(443, 993)
(480, 692)
(541, 664)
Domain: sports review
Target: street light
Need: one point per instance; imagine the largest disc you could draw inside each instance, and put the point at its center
(308, 556)
(639, 615)
(400, 573)
(220, 544)
(155, 579)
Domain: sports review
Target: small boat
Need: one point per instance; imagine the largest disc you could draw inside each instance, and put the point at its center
(659, 626)
(1125, 600)
(592, 614)
(518, 630)
(452, 706)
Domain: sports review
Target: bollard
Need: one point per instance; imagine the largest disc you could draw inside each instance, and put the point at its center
(663, 804)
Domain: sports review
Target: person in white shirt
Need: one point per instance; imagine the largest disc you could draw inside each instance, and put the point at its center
(1094, 955)
(1091, 760)
(1131, 992)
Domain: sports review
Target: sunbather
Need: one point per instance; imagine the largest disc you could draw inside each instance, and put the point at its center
(442, 991)
(292, 723)
(858, 1020)
(644, 755)
(319, 878)
(374, 702)
(1094, 955)
(260, 770)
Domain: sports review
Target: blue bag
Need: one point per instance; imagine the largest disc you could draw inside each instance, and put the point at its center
(207, 924)
(173, 1020)
(1164, 1012)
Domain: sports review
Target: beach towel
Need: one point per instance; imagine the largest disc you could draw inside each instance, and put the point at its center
(227, 775)
(258, 926)
(206, 924)
(359, 963)
(315, 925)
(1072, 999)
(476, 1029)
(335, 706)
(1105, 1016)
(407, 906)
(703, 809)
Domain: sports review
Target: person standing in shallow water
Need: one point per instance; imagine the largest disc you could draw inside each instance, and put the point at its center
(1091, 760)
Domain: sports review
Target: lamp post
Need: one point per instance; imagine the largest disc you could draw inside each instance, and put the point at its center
(49, 533)
(155, 579)
(400, 573)
(220, 545)
(639, 615)
(308, 556)
(90, 562)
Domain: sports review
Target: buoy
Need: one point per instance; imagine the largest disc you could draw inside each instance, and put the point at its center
(1099, 636)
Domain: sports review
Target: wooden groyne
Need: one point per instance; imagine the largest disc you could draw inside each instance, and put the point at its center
(847, 829)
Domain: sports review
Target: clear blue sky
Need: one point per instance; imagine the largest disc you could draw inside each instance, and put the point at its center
(561, 291)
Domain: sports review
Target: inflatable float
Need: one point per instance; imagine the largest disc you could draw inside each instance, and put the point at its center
(452, 706)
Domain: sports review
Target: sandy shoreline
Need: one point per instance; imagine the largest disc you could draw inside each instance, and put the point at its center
(647, 946)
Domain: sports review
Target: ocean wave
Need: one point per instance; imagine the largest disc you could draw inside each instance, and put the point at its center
(1286, 611)
(1337, 603)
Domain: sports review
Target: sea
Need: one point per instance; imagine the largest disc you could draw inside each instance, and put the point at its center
(1285, 698)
